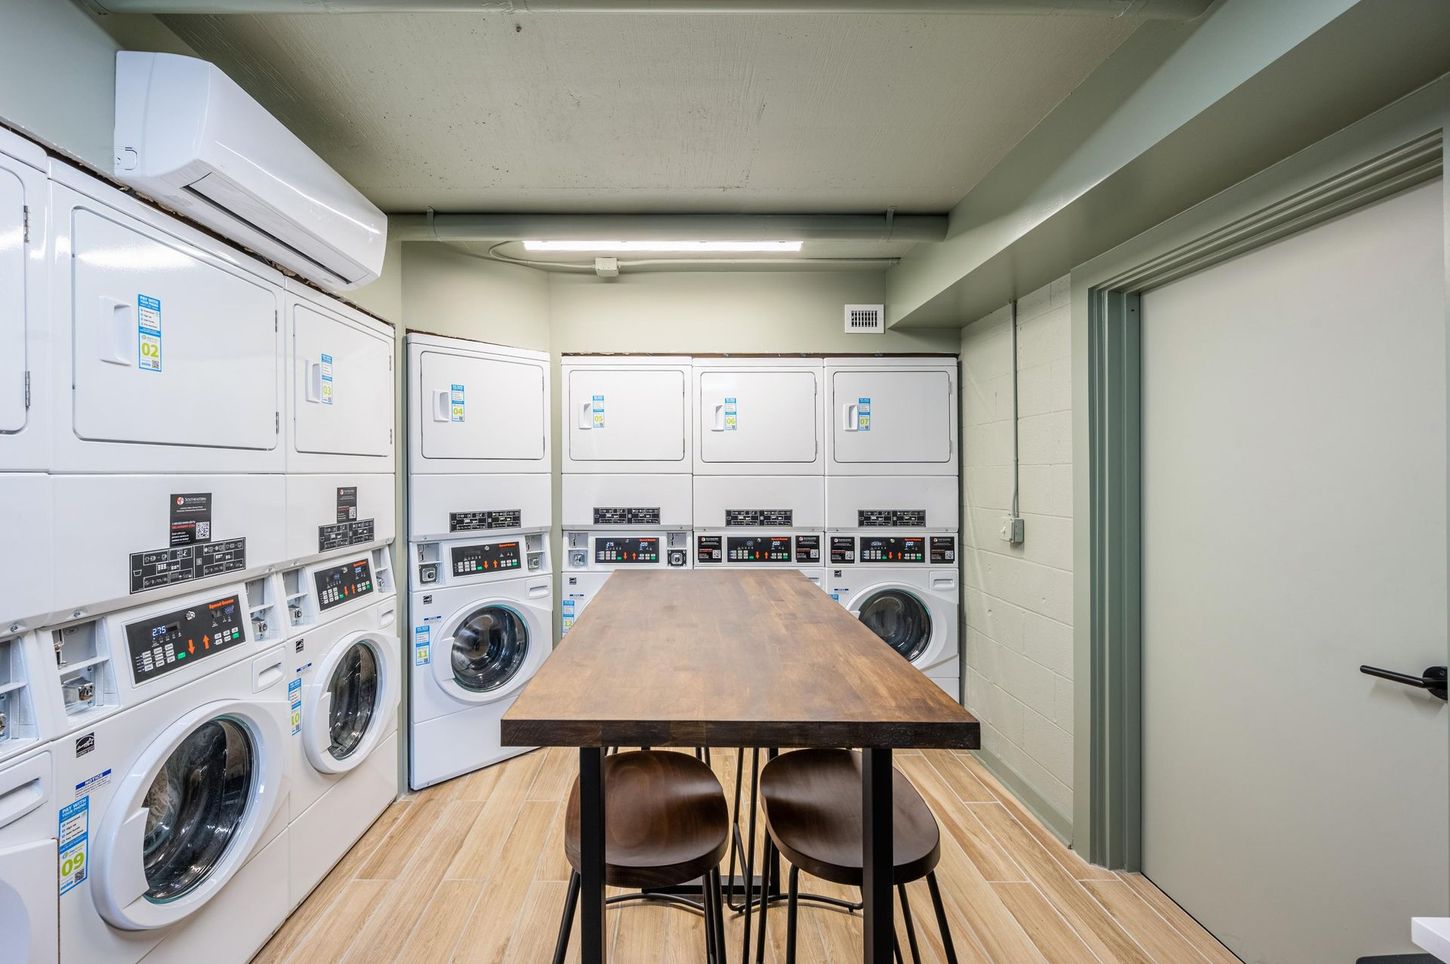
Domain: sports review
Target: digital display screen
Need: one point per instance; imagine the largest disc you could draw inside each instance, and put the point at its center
(617, 552)
(172, 640)
(758, 549)
(343, 583)
(892, 549)
(486, 557)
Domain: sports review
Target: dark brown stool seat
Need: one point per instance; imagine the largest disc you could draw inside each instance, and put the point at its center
(666, 823)
(811, 800)
(812, 805)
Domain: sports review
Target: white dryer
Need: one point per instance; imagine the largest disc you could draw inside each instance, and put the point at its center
(28, 860)
(759, 416)
(172, 825)
(478, 423)
(346, 685)
(619, 522)
(482, 614)
(626, 415)
(904, 586)
(166, 414)
(25, 379)
(892, 416)
(339, 420)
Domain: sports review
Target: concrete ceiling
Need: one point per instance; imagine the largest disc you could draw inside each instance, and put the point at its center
(626, 113)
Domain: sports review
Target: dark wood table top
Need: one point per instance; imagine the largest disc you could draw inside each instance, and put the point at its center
(729, 658)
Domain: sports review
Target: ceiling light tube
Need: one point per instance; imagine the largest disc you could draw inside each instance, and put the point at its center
(688, 247)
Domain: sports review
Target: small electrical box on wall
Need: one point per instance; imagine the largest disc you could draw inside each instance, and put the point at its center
(865, 319)
(1014, 530)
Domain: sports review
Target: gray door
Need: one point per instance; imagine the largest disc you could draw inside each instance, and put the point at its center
(1294, 527)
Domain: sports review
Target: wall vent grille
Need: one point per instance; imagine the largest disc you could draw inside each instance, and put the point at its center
(865, 319)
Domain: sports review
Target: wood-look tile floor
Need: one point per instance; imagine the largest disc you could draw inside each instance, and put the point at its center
(473, 871)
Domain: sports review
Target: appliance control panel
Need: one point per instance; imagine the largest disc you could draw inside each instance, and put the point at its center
(843, 550)
(758, 548)
(473, 560)
(943, 550)
(173, 640)
(891, 549)
(611, 550)
(343, 583)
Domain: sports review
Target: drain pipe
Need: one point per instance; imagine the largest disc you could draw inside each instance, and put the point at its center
(1141, 9)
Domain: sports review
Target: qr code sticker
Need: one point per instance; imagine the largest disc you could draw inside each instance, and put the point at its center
(203, 531)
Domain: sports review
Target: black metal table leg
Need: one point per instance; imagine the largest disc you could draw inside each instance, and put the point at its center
(594, 946)
(877, 867)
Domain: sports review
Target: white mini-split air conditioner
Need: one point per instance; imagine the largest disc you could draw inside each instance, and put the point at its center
(189, 137)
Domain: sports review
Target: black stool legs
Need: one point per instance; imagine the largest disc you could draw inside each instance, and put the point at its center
(793, 908)
(712, 888)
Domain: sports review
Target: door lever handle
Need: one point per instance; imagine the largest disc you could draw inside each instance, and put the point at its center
(1432, 680)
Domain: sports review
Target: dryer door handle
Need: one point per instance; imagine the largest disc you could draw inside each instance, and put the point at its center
(849, 413)
(442, 410)
(586, 415)
(117, 342)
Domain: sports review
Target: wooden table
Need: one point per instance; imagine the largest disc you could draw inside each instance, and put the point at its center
(732, 658)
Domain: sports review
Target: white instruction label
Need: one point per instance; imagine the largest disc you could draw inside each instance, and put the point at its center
(73, 842)
(148, 333)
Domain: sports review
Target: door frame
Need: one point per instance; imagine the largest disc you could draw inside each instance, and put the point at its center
(1396, 148)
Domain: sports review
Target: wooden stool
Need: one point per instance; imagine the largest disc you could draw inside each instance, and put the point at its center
(665, 824)
(812, 805)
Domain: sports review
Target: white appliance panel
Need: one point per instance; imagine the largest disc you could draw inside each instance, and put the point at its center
(208, 380)
(14, 317)
(718, 497)
(893, 419)
(477, 407)
(24, 321)
(444, 506)
(768, 417)
(26, 588)
(108, 518)
(342, 386)
(848, 496)
(626, 418)
(669, 495)
(332, 514)
(29, 910)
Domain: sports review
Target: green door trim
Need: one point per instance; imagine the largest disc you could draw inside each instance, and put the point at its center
(1114, 448)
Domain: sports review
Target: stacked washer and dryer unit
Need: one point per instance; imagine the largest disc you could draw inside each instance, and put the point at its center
(152, 717)
(892, 504)
(759, 464)
(626, 486)
(479, 515)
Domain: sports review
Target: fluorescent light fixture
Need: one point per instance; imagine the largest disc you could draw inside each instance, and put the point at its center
(689, 247)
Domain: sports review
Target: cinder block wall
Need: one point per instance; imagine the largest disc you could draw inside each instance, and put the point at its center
(1018, 599)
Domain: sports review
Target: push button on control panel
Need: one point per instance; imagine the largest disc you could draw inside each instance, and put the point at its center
(892, 549)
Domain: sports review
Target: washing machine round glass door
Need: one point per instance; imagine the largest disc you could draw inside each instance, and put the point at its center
(349, 702)
(899, 618)
(186, 816)
(487, 651)
(195, 805)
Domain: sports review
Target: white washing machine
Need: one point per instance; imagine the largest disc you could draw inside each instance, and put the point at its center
(892, 416)
(904, 586)
(759, 416)
(339, 418)
(772, 522)
(25, 377)
(478, 421)
(172, 822)
(626, 415)
(482, 614)
(169, 403)
(28, 906)
(346, 684)
(619, 522)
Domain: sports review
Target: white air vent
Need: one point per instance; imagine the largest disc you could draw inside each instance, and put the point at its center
(865, 319)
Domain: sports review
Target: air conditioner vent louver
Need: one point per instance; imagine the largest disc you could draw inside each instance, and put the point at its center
(865, 319)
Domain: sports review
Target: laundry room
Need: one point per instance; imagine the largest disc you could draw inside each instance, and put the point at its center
(724, 480)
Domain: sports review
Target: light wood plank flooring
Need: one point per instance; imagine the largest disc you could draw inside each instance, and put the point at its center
(473, 870)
